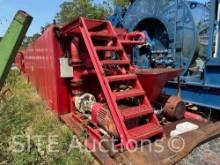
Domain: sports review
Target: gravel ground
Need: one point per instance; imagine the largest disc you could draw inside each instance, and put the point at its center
(206, 154)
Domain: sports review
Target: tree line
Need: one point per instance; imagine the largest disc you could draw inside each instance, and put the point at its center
(69, 10)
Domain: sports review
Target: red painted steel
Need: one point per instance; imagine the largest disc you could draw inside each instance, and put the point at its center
(41, 68)
(90, 29)
(154, 80)
(101, 66)
(19, 61)
(99, 57)
(131, 38)
(101, 115)
(193, 116)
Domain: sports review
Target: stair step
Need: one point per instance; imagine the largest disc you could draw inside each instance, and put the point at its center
(124, 77)
(133, 112)
(129, 42)
(128, 94)
(94, 25)
(145, 131)
(108, 48)
(102, 35)
(115, 62)
(96, 29)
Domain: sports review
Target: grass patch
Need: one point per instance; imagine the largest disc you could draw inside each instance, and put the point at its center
(23, 113)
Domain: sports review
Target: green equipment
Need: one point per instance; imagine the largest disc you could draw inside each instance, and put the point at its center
(11, 42)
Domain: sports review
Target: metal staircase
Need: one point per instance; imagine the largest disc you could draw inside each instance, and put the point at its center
(106, 51)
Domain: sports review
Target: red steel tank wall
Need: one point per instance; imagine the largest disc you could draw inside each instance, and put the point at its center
(42, 69)
(18, 61)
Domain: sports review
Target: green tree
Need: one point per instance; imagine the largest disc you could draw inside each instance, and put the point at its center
(28, 40)
(121, 3)
(69, 10)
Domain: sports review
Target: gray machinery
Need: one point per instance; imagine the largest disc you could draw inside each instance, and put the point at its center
(180, 33)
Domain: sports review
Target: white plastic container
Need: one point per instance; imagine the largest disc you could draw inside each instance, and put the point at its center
(183, 128)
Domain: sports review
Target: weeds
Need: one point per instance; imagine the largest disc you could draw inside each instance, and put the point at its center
(24, 113)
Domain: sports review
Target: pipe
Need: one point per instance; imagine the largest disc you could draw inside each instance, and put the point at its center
(77, 82)
(135, 38)
(217, 46)
(88, 72)
(179, 87)
(108, 54)
(140, 35)
(189, 115)
(211, 28)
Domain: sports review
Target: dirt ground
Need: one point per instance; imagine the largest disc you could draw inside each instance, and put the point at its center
(206, 154)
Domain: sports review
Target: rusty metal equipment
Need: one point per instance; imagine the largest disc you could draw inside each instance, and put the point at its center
(84, 73)
(174, 108)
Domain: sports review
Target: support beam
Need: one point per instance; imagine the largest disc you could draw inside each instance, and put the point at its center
(11, 42)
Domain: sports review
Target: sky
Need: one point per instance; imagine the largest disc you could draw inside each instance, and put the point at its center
(43, 12)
